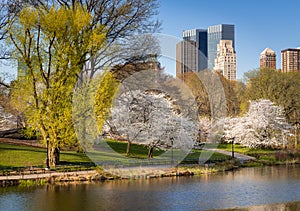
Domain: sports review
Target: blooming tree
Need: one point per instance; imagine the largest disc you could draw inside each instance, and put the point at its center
(264, 125)
(152, 119)
(205, 125)
(7, 120)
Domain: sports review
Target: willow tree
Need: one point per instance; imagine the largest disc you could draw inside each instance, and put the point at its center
(104, 98)
(51, 46)
(122, 19)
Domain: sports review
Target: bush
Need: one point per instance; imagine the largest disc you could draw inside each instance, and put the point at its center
(287, 155)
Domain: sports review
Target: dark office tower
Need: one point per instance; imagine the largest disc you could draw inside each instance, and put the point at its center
(191, 53)
(214, 35)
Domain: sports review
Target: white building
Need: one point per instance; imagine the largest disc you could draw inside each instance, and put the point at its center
(225, 62)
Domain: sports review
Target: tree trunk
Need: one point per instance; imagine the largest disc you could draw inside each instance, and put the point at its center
(128, 148)
(53, 156)
(150, 152)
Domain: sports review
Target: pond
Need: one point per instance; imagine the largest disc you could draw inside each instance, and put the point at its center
(242, 188)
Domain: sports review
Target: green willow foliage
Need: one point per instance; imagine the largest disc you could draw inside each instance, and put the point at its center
(104, 98)
(52, 47)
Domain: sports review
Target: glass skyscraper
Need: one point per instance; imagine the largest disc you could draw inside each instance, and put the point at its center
(200, 37)
(191, 53)
(214, 35)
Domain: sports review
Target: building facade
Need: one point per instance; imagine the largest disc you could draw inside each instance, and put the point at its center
(225, 61)
(191, 53)
(186, 57)
(268, 59)
(200, 37)
(214, 35)
(290, 60)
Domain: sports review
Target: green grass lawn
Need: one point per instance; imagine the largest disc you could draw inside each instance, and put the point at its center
(140, 151)
(136, 150)
(16, 156)
(266, 156)
(246, 150)
(209, 156)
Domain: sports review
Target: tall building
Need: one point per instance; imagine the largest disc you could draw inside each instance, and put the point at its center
(268, 59)
(290, 60)
(214, 35)
(225, 61)
(200, 37)
(191, 53)
(186, 57)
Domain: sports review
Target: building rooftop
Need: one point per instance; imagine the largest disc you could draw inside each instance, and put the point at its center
(267, 51)
(291, 49)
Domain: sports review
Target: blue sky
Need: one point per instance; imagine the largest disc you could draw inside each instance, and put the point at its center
(258, 24)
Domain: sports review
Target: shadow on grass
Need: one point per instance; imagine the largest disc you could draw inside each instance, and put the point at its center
(193, 157)
(10, 168)
(136, 150)
(17, 169)
(13, 147)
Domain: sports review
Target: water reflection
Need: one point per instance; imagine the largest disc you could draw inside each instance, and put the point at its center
(243, 188)
(288, 206)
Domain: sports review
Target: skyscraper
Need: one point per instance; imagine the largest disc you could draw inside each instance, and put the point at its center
(214, 35)
(225, 61)
(186, 57)
(268, 59)
(200, 37)
(191, 53)
(290, 60)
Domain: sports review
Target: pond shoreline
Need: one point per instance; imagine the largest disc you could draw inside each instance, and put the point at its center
(96, 175)
(53, 177)
(100, 175)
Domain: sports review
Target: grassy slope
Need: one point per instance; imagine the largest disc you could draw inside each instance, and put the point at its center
(13, 156)
(266, 156)
(136, 151)
(16, 156)
(245, 150)
(140, 151)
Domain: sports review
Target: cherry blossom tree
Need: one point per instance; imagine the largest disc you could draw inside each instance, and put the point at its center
(7, 120)
(205, 128)
(264, 125)
(152, 119)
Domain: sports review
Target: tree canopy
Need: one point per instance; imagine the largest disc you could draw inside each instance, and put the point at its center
(280, 88)
(52, 46)
(150, 118)
(264, 125)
